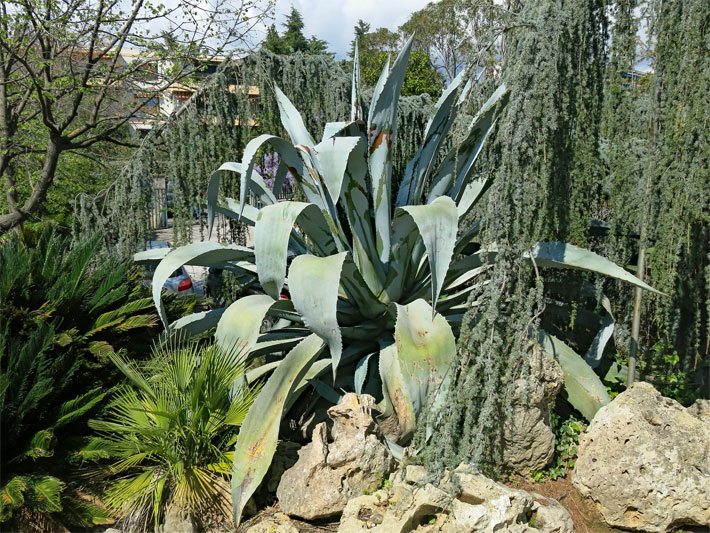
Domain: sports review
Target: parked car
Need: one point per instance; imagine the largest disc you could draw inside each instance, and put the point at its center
(179, 281)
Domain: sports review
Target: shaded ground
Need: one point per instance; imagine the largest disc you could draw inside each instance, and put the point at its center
(585, 516)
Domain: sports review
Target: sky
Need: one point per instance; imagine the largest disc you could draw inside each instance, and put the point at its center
(334, 20)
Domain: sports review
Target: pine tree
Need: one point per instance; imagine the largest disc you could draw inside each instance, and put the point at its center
(361, 28)
(273, 42)
(293, 38)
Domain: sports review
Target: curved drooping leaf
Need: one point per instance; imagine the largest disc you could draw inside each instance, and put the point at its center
(334, 154)
(197, 253)
(273, 231)
(242, 321)
(584, 389)
(258, 436)
(419, 359)
(563, 255)
(436, 223)
(196, 323)
(287, 153)
(150, 256)
(318, 307)
(439, 124)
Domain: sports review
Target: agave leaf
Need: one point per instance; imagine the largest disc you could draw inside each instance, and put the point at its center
(249, 213)
(332, 129)
(326, 391)
(287, 153)
(314, 283)
(361, 373)
(271, 237)
(454, 172)
(196, 323)
(242, 321)
(382, 127)
(563, 255)
(292, 121)
(438, 126)
(333, 155)
(197, 253)
(359, 293)
(436, 223)
(584, 389)
(355, 199)
(356, 98)
(471, 194)
(259, 433)
(418, 361)
(150, 256)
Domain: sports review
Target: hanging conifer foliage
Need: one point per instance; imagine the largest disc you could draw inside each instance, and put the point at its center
(233, 106)
(545, 161)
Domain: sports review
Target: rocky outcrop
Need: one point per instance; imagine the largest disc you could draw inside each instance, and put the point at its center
(464, 501)
(276, 523)
(177, 522)
(528, 440)
(327, 474)
(645, 461)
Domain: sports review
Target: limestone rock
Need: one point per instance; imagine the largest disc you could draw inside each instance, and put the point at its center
(645, 461)
(464, 502)
(177, 522)
(327, 474)
(277, 523)
(528, 440)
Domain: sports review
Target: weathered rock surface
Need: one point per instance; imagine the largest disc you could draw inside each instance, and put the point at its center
(645, 461)
(465, 502)
(528, 440)
(277, 523)
(177, 522)
(328, 474)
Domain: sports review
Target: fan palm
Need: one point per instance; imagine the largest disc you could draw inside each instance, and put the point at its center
(170, 430)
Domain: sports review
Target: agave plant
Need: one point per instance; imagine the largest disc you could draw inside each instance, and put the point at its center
(371, 287)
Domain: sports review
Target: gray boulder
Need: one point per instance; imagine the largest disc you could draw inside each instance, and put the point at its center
(464, 502)
(645, 461)
(528, 440)
(327, 474)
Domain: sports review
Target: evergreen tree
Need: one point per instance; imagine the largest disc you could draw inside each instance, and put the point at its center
(547, 127)
(317, 46)
(293, 38)
(273, 42)
(361, 28)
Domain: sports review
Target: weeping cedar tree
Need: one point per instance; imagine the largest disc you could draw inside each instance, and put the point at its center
(215, 126)
(544, 160)
(677, 184)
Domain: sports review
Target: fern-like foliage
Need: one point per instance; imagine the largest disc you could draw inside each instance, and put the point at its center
(62, 311)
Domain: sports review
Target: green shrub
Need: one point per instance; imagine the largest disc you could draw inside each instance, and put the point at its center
(62, 310)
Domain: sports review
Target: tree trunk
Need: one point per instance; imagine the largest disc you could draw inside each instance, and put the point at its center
(19, 214)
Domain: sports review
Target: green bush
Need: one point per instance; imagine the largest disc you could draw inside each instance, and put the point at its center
(62, 310)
